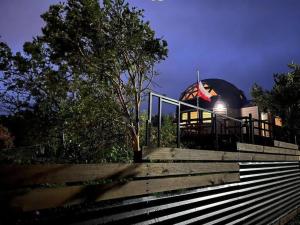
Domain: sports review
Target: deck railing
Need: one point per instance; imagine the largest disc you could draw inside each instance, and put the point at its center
(221, 127)
(179, 104)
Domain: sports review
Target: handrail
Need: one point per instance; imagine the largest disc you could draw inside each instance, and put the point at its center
(243, 128)
(161, 99)
(177, 102)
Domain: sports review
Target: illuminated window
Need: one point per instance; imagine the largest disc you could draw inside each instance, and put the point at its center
(213, 93)
(206, 117)
(189, 97)
(264, 127)
(194, 115)
(184, 116)
(191, 92)
(264, 116)
(265, 130)
(278, 121)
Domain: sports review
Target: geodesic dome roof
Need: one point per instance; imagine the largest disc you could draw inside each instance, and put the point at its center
(218, 88)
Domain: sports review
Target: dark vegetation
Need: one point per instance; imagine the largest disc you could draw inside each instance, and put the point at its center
(283, 99)
(74, 93)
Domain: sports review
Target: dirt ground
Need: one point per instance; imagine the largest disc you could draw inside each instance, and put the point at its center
(295, 221)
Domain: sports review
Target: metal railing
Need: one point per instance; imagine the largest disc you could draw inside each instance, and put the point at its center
(179, 104)
(218, 128)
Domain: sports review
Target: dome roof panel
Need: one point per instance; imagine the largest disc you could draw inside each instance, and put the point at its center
(233, 96)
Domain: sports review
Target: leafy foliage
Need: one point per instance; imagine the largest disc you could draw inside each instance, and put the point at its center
(168, 130)
(82, 79)
(283, 99)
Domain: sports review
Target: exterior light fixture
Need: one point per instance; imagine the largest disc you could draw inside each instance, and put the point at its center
(220, 107)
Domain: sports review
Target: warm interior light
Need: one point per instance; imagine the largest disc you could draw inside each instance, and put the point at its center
(184, 116)
(278, 121)
(194, 115)
(206, 117)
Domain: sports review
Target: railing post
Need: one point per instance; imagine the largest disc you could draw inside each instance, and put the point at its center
(216, 132)
(271, 128)
(251, 129)
(241, 132)
(178, 126)
(148, 122)
(260, 127)
(159, 122)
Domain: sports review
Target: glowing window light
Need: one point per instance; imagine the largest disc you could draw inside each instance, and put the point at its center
(194, 115)
(278, 121)
(206, 117)
(184, 116)
(213, 93)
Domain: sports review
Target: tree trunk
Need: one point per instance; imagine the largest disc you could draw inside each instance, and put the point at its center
(136, 133)
(136, 145)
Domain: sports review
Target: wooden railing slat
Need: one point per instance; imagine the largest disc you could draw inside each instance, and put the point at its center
(285, 145)
(24, 175)
(208, 155)
(266, 149)
(37, 199)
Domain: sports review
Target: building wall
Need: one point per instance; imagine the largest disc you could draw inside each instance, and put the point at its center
(233, 112)
(252, 109)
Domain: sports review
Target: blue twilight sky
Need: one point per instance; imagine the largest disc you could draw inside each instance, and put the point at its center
(241, 41)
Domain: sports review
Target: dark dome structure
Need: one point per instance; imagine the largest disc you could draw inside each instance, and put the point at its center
(219, 89)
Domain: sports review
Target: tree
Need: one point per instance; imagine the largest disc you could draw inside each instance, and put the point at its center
(283, 99)
(92, 63)
(111, 43)
(76, 117)
(138, 52)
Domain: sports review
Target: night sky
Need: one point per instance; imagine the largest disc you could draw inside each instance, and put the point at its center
(241, 41)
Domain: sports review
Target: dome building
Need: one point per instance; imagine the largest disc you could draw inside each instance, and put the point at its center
(223, 98)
